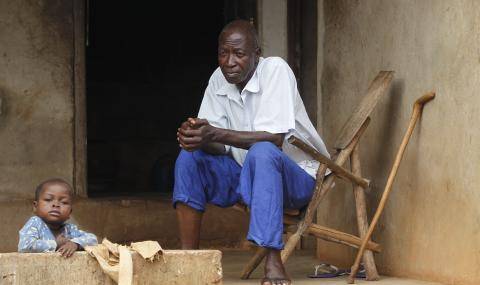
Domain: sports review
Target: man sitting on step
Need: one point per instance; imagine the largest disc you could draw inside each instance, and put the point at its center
(236, 150)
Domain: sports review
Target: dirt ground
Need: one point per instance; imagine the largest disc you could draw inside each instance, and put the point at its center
(298, 266)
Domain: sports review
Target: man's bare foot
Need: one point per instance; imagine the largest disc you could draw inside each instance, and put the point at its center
(274, 271)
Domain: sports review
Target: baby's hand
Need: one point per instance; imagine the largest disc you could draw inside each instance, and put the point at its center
(67, 249)
(61, 240)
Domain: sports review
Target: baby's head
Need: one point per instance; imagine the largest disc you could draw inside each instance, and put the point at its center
(53, 201)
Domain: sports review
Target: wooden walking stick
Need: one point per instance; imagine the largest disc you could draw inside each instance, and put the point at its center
(417, 110)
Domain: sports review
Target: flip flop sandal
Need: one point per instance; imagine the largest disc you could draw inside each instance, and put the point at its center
(361, 273)
(326, 270)
(272, 280)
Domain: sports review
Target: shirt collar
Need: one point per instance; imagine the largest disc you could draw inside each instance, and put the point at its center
(227, 89)
(253, 86)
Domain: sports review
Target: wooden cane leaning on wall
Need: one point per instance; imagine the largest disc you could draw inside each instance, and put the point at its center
(417, 111)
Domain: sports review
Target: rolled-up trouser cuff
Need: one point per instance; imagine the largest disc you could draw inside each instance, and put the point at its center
(189, 202)
(261, 243)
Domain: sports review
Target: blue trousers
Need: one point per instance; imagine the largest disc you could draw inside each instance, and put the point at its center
(268, 182)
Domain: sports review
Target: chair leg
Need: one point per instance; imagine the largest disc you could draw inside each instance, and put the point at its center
(290, 246)
(318, 193)
(287, 237)
(321, 189)
(253, 262)
(362, 220)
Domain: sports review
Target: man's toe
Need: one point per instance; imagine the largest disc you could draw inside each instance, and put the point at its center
(279, 282)
(274, 281)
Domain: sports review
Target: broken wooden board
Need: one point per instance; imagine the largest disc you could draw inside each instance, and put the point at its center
(180, 267)
(377, 88)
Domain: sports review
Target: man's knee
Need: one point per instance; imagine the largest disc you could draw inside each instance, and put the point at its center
(263, 150)
(187, 158)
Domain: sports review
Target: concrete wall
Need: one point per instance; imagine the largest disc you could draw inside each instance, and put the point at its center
(431, 225)
(272, 27)
(320, 58)
(36, 53)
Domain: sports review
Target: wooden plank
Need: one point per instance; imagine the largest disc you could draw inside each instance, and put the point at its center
(377, 88)
(338, 170)
(332, 235)
(253, 262)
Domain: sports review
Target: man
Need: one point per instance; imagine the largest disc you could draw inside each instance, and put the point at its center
(236, 150)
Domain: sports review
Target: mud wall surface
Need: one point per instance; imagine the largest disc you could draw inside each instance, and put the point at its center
(430, 228)
(272, 27)
(36, 130)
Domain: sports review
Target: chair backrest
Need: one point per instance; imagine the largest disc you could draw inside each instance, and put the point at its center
(377, 88)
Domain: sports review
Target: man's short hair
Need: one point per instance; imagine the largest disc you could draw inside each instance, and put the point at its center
(39, 188)
(244, 26)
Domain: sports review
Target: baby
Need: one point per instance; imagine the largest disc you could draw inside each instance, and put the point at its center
(48, 231)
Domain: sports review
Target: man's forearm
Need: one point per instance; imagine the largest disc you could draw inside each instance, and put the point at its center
(199, 134)
(245, 140)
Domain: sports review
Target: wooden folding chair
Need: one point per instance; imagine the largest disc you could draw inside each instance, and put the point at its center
(346, 146)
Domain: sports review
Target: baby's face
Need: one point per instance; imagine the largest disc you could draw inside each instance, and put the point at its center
(54, 204)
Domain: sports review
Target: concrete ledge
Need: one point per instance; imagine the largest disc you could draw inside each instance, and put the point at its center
(180, 267)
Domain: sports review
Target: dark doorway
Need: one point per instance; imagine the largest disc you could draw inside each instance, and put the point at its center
(147, 67)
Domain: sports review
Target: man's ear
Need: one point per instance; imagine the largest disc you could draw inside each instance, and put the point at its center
(258, 52)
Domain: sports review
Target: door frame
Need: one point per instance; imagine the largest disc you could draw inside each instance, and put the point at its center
(79, 99)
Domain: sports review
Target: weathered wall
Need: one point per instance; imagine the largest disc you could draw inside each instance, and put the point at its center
(36, 55)
(272, 27)
(431, 225)
(320, 58)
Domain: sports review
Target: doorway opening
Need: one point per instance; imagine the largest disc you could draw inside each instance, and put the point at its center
(147, 66)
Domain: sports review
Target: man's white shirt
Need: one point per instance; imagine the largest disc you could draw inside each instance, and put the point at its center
(269, 102)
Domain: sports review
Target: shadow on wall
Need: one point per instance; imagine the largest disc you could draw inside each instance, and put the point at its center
(391, 130)
(2, 100)
(388, 127)
(3, 107)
